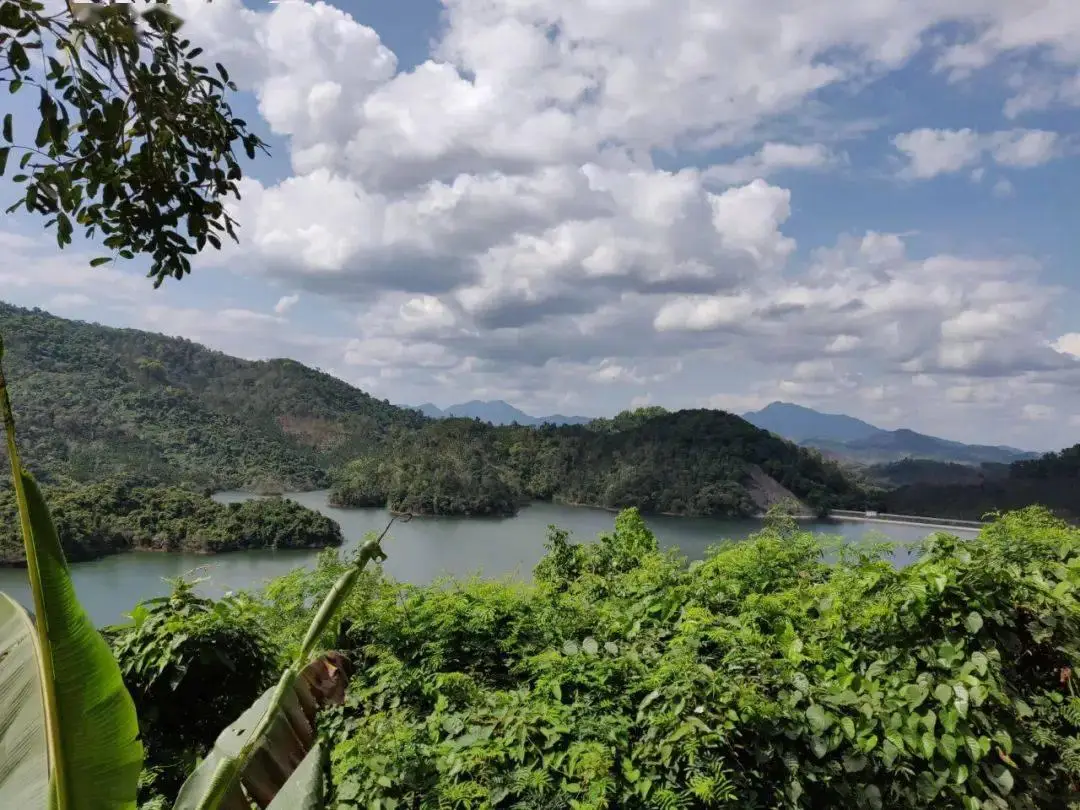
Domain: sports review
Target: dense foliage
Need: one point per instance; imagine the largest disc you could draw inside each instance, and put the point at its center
(1063, 464)
(93, 402)
(97, 519)
(449, 467)
(134, 139)
(760, 677)
(924, 471)
(1050, 481)
(190, 665)
(694, 462)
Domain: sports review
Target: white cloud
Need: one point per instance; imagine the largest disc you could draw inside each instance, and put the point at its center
(1024, 148)
(1034, 92)
(1035, 412)
(1003, 188)
(931, 152)
(770, 159)
(1068, 344)
(285, 303)
(530, 210)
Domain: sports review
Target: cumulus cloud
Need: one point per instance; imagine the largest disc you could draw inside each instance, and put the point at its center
(770, 159)
(931, 152)
(539, 205)
(1068, 344)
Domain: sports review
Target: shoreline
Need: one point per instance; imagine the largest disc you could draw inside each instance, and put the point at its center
(897, 522)
(945, 524)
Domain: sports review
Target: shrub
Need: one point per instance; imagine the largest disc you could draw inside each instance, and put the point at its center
(759, 677)
(192, 666)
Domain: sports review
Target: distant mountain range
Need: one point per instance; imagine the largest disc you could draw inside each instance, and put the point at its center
(852, 439)
(497, 412)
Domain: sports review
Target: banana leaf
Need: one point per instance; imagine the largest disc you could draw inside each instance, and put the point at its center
(305, 789)
(91, 728)
(24, 750)
(287, 743)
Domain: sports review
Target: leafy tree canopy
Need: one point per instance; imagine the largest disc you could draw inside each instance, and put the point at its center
(135, 141)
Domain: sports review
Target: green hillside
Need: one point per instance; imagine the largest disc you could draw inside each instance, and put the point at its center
(696, 462)
(1052, 481)
(94, 402)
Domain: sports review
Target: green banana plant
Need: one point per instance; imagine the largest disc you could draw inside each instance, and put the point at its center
(250, 762)
(67, 724)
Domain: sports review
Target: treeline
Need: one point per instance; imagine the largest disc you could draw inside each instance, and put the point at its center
(695, 462)
(925, 471)
(99, 519)
(1063, 464)
(1050, 481)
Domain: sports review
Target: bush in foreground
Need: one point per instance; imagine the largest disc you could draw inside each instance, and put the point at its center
(759, 677)
(192, 665)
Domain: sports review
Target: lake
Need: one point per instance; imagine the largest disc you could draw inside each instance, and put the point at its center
(419, 550)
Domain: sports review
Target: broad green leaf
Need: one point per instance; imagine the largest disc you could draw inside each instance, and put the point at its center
(947, 745)
(949, 718)
(843, 698)
(973, 622)
(649, 698)
(589, 646)
(929, 720)
(221, 763)
(817, 717)
(916, 694)
(1003, 778)
(853, 763)
(980, 662)
(961, 702)
(24, 753)
(848, 725)
(926, 787)
(93, 734)
(927, 744)
(973, 749)
(95, 751)
(889, 752)
(943, 692)
(305, 789)
(258, 749)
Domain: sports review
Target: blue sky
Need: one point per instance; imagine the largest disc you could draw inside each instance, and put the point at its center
(578, 206)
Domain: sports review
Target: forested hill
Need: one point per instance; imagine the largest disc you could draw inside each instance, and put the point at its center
(93, 402)
(1052, 481)
(698, 462)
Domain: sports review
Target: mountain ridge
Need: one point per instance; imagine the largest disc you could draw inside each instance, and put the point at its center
(496, 412)
(848, 438)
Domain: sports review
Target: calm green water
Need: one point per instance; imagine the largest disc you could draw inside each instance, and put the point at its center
(418, 551)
